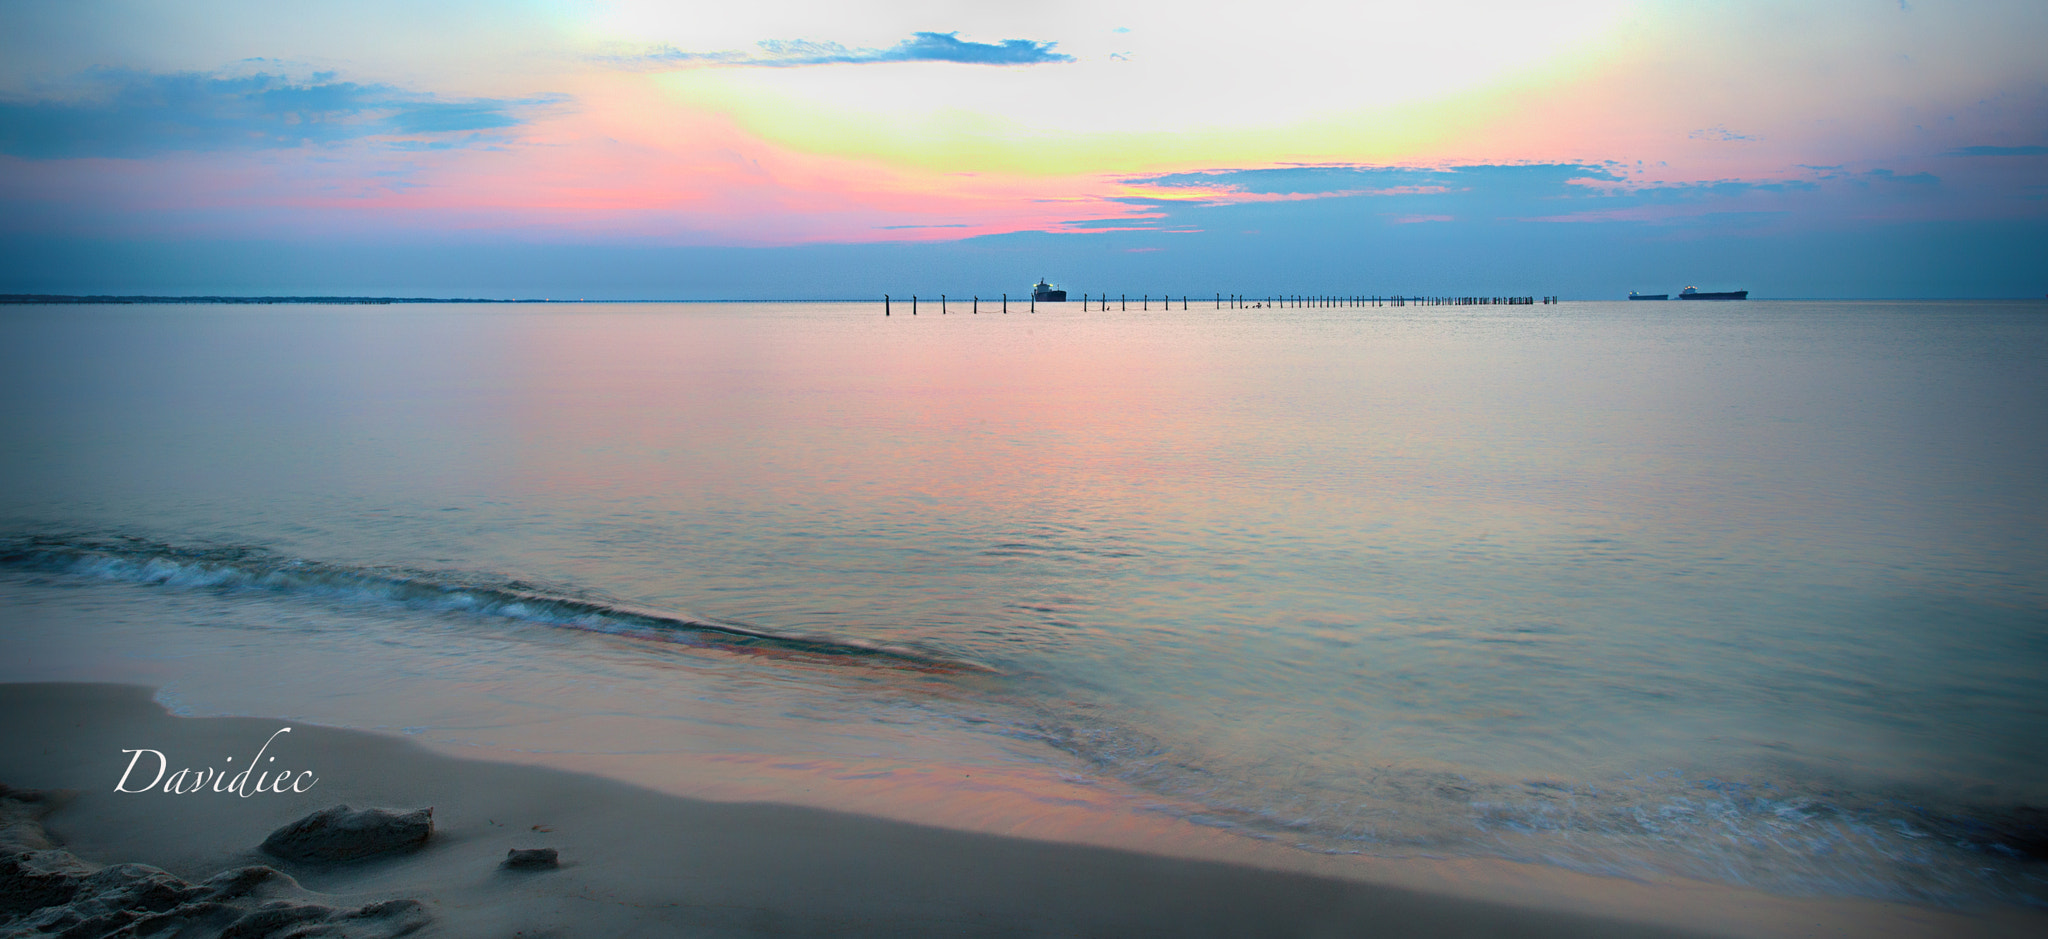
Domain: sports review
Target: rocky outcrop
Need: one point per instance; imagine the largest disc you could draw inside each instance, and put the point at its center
(45, 891)
(531, 859)
(339, 833)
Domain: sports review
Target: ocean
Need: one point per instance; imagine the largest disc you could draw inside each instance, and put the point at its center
(1753, 593)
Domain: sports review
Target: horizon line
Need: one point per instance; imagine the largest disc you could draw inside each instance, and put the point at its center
(52, 299)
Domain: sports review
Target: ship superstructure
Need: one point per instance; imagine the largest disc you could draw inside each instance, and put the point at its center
(1047, 293)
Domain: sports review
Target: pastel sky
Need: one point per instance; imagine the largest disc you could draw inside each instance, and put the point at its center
(841, 148)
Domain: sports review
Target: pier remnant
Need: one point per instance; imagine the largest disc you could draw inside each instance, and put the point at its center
(1240, 301)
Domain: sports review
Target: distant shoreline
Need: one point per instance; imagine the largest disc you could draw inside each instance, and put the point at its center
(76, 299)
(66, 298)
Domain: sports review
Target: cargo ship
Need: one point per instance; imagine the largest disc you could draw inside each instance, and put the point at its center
(1632, 295)
(1047, 293)
(1695, 293)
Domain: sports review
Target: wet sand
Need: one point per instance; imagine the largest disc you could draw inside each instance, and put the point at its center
(636, 862)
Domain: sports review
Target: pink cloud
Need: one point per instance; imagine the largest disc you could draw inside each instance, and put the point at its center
(635, 168)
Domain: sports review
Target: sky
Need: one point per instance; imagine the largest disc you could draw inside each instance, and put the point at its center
(850, 148)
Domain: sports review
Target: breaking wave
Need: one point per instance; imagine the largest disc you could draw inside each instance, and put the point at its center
(239, 567)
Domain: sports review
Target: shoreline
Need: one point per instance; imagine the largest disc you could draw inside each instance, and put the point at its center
(635, 859)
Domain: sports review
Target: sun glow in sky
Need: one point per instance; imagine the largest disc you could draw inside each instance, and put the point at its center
(938, 126)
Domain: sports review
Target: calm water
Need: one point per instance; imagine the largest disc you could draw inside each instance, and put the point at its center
(1754, 592)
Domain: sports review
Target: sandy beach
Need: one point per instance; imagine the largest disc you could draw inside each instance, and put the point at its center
(639, 863)
(1117, 469)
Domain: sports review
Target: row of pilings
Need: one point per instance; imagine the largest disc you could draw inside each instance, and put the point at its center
(1222, 301)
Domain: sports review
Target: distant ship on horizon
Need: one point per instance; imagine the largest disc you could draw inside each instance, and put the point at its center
(1693, 293)
(1043, 292)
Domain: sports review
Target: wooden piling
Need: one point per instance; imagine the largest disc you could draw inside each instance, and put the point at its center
(1240, 301)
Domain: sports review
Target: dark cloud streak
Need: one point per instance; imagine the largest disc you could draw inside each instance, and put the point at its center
(1996, 151)
(1486, 193)
(920, 47)
(126, 113)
